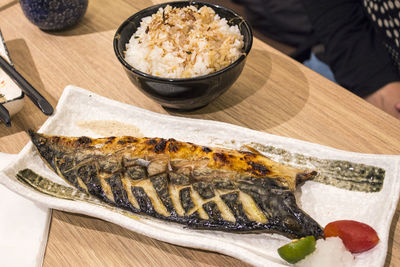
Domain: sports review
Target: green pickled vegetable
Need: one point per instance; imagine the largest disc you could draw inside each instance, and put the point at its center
(298, 249)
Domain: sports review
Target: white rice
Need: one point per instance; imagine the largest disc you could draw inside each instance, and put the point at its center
(183, 43)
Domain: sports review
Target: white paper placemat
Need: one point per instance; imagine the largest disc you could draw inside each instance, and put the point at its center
(24, 226)
(322, 202)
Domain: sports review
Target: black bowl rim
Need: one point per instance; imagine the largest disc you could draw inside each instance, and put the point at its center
(197, 78)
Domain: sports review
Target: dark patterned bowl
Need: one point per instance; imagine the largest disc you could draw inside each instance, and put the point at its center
(187, 93)
(54, 14)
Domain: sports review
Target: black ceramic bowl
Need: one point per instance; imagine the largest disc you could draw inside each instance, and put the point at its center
(186, 93)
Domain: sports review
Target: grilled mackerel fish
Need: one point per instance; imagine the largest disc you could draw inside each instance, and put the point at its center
(198, 186)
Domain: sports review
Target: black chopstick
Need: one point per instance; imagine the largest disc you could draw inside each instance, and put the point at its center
(5, 116)
(26, 87)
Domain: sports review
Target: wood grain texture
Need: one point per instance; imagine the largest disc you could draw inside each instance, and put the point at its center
(274, 94)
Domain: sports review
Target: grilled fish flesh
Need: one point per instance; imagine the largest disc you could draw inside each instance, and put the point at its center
(198, 186)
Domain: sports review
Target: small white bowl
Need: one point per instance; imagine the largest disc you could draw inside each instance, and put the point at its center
(11, 95)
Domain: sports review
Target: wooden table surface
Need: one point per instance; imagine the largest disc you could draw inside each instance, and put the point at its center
(274, 94)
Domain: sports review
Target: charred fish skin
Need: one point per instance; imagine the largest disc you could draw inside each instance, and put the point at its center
(229, 162)
(182, 182)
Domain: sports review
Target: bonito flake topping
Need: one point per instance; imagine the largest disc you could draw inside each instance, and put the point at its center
(184, 42)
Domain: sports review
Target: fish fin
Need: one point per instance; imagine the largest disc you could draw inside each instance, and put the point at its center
(48, 187)
(51, 188)
(305, 176)
(253, 150)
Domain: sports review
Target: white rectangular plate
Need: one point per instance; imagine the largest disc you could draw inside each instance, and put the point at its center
(322, 202)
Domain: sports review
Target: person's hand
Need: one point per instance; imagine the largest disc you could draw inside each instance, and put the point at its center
(387, 98)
